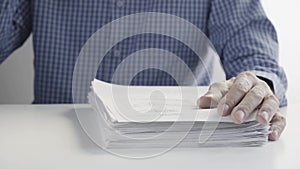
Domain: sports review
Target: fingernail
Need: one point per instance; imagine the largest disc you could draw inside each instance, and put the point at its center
(239, 116)
(265, 116)
(223, 109)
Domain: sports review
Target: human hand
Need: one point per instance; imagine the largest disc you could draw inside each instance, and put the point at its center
(240, 96)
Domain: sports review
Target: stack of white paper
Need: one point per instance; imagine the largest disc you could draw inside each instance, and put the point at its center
(160, 116)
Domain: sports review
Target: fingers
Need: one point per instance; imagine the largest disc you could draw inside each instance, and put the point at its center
(278, 124)
(250, 102)
(242, 95)
(243, 83)
(212, 97)
(269, 107)
(214, 94)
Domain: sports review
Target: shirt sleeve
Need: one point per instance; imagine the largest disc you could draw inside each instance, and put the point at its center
(246, 40)
(15, 25)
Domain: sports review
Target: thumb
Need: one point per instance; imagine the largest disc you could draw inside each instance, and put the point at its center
(207, 101)
(214, 94)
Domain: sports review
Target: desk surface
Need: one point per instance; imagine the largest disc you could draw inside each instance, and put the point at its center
(50, 137)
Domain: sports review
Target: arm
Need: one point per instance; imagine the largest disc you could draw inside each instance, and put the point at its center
(246, 41)
(15, 25)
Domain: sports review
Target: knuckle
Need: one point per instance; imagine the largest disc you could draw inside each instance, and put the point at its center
(242, 86)
(229, 82)
(244, 107)
(229, 102)
(215, 85)
(258, 93)
(273, 99)
(264, 85)
(280, 119)
(277, 128)
(248, 74)
(232, 79)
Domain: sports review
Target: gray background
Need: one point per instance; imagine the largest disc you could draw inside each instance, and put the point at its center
(16, 72)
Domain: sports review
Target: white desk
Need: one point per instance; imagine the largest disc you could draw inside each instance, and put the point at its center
(50, 137)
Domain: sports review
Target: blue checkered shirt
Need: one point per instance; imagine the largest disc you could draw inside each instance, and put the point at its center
(239, 30)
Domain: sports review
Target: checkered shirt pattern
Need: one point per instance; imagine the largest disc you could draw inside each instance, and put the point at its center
(239, 30)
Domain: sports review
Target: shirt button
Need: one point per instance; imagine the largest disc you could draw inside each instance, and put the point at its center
(120, 3)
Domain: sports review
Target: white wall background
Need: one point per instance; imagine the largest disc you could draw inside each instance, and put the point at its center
(285, 15)
(16, 73)
(16, 76)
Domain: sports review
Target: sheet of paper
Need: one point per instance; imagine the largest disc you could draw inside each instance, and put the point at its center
(155, 103)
